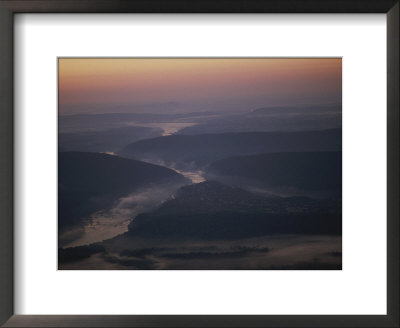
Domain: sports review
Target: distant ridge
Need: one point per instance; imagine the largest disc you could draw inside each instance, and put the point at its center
(326, 108)
(201, 150)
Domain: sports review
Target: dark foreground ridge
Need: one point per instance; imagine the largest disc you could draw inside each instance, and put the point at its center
(211, 211)
(214, 226)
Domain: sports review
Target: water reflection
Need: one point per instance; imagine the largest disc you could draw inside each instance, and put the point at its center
(168, 128)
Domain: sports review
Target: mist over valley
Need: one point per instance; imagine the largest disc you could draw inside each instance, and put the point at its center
(170, 199)
(200, 163)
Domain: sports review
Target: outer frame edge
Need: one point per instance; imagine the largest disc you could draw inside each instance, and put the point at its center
(6, 164)
(189, 321)
(393, 147)
(203, 6)
(7, 8)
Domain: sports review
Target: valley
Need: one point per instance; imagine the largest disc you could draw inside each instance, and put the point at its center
(140, 194)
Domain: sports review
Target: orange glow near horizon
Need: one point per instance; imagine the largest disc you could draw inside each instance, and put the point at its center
(229, 81)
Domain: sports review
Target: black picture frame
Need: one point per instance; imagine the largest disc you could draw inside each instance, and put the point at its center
(10, 7)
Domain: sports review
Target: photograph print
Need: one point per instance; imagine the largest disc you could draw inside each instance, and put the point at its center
(200, 163)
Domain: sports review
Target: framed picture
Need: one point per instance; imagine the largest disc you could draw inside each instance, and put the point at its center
(199, 164)
(211, 181)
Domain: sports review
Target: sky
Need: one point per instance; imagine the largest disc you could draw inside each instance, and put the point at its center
(106, 85)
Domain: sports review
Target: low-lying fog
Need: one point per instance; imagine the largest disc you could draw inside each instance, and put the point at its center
(283, 252)
(106, 224)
